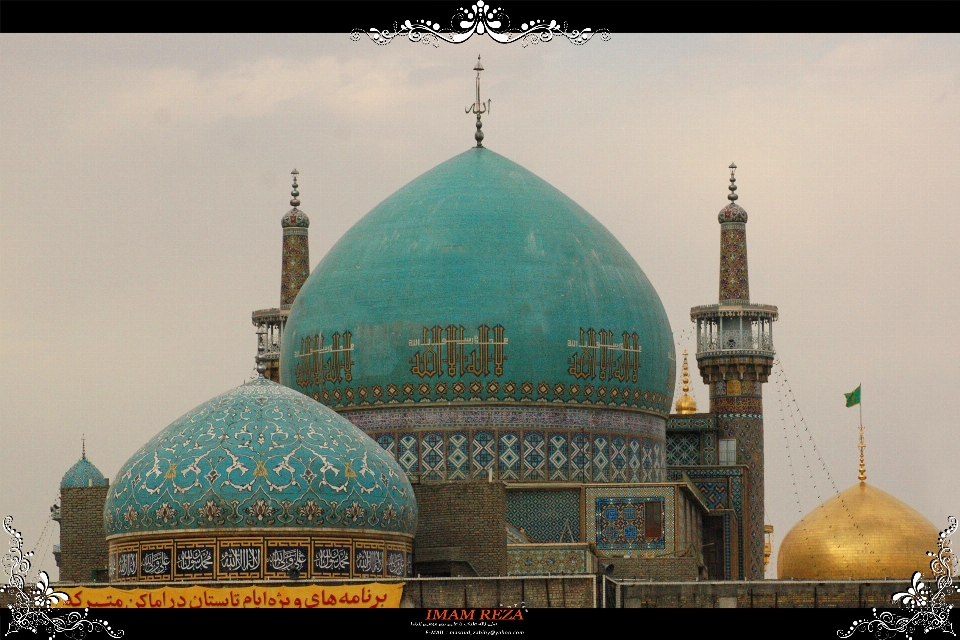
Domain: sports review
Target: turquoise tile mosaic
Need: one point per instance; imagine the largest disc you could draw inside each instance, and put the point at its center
(546, 515)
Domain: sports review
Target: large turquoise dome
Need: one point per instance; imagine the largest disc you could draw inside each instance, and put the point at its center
(260, 457)
(479, 283)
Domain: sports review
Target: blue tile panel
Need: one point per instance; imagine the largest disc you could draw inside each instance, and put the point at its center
(546, 515)
(615, 511)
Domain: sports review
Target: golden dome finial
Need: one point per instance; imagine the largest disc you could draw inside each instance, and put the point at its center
(863, 468)
(686, 404)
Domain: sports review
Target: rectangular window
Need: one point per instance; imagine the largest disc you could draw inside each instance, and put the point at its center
(653, 520)
(728, 452)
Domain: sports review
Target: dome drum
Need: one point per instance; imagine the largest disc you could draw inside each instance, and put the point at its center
(252, 555)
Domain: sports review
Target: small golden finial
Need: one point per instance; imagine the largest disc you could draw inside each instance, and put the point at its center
(686, 404)
(863, 466)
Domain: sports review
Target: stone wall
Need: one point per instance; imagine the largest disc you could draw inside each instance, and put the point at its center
(659, 569)
(756, 594)
(450, 593)
(83, 540)
(461, 529)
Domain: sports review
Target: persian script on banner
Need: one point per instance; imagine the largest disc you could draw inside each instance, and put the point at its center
(375, 595)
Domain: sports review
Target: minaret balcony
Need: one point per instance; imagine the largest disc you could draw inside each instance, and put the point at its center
(733, 330)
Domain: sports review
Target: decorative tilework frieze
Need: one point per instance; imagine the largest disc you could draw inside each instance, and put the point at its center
(676, 422)
(536, 560)
(431, 452)
(520, 417)
(742, 405)
(551, 515)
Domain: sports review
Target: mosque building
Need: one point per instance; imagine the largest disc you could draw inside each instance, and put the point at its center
(476, 380)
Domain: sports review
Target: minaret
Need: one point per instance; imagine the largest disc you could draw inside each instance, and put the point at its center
(296, 249)
(735, 354)
(294, 270)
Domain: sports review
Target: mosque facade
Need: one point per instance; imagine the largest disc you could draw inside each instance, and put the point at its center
(476, 380)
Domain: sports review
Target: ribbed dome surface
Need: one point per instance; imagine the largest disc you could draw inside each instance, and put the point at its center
(861, 533)
(479, 282)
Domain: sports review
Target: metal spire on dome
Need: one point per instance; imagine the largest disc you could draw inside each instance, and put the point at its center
(478, 107)
(83, 446)
(863, 467)
(295, 202)
(733, 183)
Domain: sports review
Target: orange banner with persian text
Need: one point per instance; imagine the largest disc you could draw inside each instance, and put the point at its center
(375, 595)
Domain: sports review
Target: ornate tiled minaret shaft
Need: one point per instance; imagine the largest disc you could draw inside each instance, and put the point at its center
(735, 354)
(294, 272)
(296, 249)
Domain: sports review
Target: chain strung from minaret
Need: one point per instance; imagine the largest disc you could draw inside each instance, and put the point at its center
(296, 249)
(735, 354)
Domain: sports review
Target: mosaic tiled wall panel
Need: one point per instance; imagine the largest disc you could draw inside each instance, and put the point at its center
(616, 513)
(546, 516)
(683, 449)
(537, 560)
(258, 557)
(696, 422)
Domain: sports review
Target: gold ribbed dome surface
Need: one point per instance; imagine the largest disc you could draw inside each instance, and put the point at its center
(862, 533)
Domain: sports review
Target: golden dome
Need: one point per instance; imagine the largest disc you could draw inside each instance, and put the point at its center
(862, 533)
(686, 404)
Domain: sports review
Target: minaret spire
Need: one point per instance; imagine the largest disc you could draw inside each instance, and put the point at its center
(296, 249)
(478, 107)
(734, 283)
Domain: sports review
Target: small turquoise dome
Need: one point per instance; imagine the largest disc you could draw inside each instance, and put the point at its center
(83, 474)
(260, 456)
(479, 282)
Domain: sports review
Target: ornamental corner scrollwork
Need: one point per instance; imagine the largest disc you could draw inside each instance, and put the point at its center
(481, 18)
(925, 603)
(32, 605)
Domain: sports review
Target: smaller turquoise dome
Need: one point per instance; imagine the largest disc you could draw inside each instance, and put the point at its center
(260, 456)
(83, 474)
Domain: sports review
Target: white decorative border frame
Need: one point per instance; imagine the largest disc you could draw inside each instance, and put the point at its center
(480, 19)
(928, 609)
(32, 605)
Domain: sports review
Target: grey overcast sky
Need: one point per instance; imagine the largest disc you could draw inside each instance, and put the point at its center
(143, 177)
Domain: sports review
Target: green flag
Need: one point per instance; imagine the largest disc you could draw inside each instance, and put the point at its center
(853, 397)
